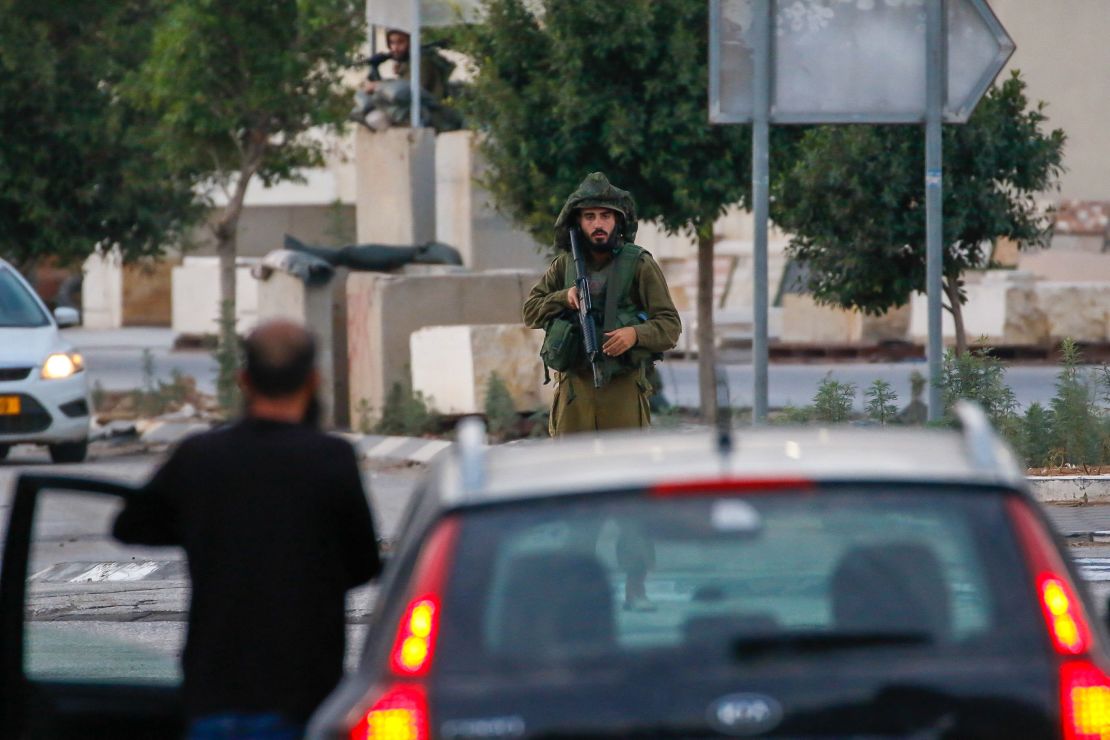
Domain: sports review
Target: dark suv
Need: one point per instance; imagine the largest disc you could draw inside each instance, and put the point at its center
(809, 583)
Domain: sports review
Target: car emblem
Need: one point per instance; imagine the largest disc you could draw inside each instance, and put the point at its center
(745, 714)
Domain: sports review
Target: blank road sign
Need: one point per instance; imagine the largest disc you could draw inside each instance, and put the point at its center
(851, 61)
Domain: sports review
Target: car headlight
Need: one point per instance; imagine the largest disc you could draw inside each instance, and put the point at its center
(62, 365)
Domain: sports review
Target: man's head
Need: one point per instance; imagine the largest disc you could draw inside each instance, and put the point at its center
(279, 378)
(601, 226)
(398, 42)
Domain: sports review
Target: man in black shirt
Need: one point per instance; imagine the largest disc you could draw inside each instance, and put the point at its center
(274, 522)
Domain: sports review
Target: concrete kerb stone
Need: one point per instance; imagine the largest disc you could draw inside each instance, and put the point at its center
(380, 447)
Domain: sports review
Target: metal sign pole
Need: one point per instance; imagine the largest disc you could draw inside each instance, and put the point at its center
(414, 66)
(935, 83)
(761, 146)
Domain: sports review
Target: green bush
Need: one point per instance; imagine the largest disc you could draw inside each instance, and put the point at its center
(1036, 437)
(406, 413)
(881, 402)
(502, 420)
(833, 401)
(978, 376)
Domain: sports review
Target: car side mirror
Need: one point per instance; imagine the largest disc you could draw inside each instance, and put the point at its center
(66, 316)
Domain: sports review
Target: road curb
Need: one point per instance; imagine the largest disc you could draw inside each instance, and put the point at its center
(397, 449)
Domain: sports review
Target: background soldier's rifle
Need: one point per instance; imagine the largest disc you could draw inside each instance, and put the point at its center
(585, 309)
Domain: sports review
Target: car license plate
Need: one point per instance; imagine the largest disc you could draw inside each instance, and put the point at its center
(10, 405)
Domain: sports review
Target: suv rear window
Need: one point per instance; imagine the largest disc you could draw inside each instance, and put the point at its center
(543, 584)
(18, 308)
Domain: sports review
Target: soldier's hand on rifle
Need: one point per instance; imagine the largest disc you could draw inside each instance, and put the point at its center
(619, 341)
(572, 297)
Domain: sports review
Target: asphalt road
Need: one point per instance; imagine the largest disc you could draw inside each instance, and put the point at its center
(115, 360)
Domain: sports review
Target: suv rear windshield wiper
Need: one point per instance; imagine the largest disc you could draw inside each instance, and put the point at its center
(820, 642)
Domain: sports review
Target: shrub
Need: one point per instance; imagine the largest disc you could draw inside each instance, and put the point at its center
(1077, 427)
(881, 401)
(979, 377)
(406, 413)
(502, 419)
(833, 401)
(1036, 436)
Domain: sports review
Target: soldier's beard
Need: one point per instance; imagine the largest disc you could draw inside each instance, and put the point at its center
(608, 245)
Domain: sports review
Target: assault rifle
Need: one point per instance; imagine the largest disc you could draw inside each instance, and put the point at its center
(586, 309)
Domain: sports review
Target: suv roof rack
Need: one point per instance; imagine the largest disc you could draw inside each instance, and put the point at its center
(471, 446)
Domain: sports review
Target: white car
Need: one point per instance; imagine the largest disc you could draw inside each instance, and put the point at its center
(44, 390)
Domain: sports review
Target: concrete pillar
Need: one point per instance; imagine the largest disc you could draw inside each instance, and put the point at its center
(395, 186)
(196, 296)
(102, 291)
(282, 295)
(465, 215)
(383, 310)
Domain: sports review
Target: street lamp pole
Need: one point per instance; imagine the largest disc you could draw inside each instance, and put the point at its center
(414, 66)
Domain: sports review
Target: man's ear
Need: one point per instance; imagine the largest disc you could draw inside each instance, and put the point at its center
(242, 381)
(313, 380)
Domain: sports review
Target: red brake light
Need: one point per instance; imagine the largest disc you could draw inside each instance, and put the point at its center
(400, 714)
(1064, 615)
(724, 486)
(1084, 701)
(414, 647)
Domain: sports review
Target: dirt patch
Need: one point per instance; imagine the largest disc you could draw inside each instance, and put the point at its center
(1085, 470)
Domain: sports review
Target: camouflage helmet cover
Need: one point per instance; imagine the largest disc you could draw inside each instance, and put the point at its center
(596, 192)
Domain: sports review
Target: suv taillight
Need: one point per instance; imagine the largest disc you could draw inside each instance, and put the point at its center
(400, 712)
(1084, 686)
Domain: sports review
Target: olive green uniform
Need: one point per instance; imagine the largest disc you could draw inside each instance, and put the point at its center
(623, 401)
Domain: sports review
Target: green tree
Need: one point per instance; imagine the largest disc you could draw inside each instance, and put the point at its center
(854, 199)
(75, 165)
(1077, 429)
(619, 87)
(238, 87)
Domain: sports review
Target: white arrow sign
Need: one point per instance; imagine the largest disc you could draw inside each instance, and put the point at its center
(852, 61)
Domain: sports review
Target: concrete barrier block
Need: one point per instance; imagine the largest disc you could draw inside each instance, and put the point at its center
(395, 184)
(466, 217)
(452, 365)
(102, 291)
(196, 296)
(282, 295)
(383, 310)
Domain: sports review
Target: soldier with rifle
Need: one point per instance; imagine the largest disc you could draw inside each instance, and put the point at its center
(607, 312)
(607, 316)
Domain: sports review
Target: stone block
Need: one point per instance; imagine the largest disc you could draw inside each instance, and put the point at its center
(1076, 310)
(282, 295)
(102, 291)
(196, 296)
(804, 321)
(383, 310)
(395, 185)
(452, 365)
(466, 217)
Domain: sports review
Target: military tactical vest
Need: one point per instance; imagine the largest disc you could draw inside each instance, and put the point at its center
(618, 309)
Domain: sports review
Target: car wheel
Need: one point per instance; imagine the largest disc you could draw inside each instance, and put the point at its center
(69, 452)
(4, 449)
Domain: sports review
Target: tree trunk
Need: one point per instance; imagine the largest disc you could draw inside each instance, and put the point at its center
(707, 351)
(951, 289)
(227, 227)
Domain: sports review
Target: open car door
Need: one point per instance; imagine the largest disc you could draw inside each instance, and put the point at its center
(91, 630)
